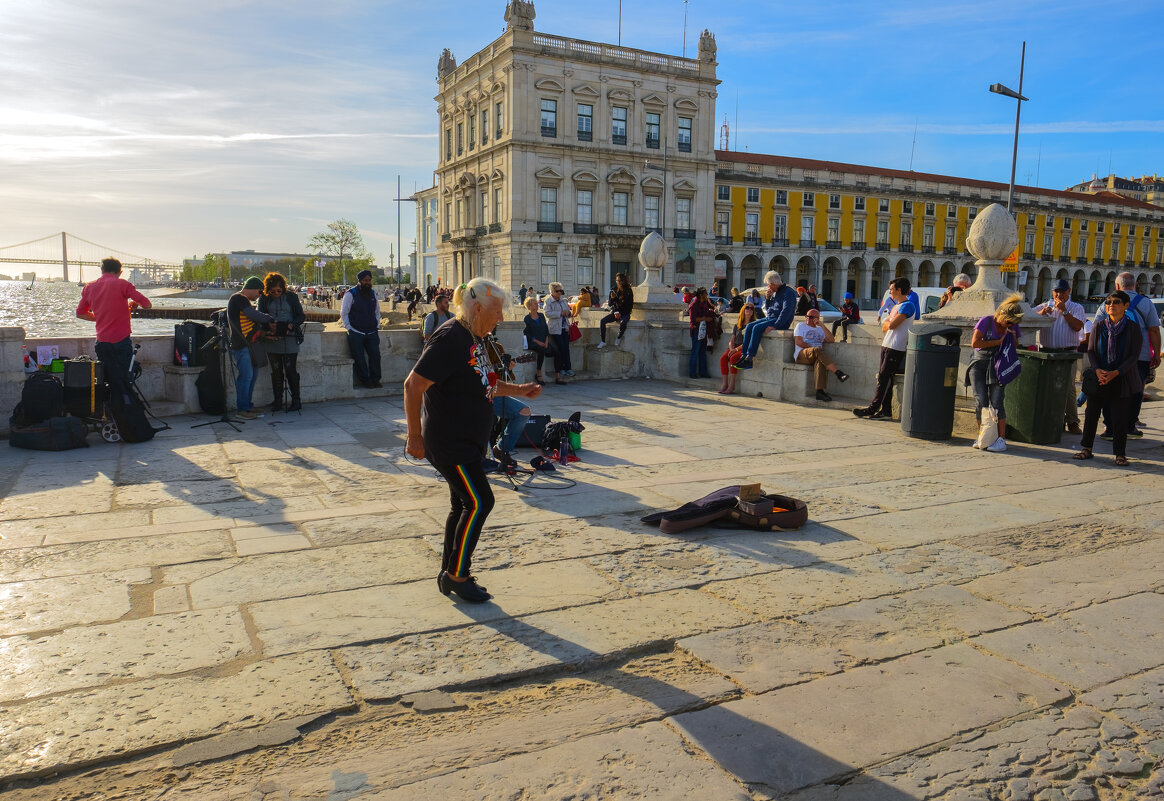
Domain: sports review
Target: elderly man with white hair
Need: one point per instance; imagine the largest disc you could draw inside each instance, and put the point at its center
(779, 309)
(1144, 313)
(448, 405)
(961, 283)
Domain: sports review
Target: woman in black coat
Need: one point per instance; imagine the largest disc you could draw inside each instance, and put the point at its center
(283, 350)
(1112, 350)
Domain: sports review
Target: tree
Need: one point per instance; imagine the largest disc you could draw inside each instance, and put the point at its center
(341, 238)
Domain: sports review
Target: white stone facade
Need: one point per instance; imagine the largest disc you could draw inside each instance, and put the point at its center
(540, 179)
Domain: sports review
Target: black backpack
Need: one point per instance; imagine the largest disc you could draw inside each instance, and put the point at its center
(130, 415)
(42, 397)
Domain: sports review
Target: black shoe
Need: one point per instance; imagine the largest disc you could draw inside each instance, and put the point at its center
(842, 376)
(821, 395)
(1107, 435)
(375, 385)
(743, 364)
(1135, 433)
(881, 416)
(468, 590)
(862, 412)
(295, 406)
(277, 406)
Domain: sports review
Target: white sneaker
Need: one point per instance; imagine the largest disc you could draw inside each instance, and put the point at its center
(601, 345)
(618, 342)
(999, 446)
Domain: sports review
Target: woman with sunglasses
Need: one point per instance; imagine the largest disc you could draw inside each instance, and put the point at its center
(558, 314)
(1112, 350)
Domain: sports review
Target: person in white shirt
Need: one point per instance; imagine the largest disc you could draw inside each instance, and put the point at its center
(896, 324)
(811, 337)
(1063, 336)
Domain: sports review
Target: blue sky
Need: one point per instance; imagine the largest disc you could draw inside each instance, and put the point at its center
(168, 130)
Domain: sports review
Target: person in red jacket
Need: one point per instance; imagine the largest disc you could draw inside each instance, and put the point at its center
(108, 302)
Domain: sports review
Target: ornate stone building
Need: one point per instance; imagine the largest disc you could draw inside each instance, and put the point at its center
(557, 155)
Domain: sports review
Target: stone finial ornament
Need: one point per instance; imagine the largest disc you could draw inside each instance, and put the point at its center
(653, 256)
(993, 235)
(446, 64)
(707, 46)
(519, 14)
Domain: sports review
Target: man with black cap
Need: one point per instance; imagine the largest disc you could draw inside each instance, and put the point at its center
(360, 315)
(245, 323)
(1063, 337)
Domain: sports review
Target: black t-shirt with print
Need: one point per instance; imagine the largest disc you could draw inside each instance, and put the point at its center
(458, 407)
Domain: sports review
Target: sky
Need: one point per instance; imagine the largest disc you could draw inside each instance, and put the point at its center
(168, 130)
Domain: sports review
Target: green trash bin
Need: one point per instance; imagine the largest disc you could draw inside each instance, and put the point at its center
(1035, 399)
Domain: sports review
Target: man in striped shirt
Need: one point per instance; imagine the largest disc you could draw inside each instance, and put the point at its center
(1063, 336)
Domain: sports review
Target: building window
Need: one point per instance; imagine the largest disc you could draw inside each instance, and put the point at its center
(1083, 225)
(1046, 244)
(929, 209)
(1050, 220)
(585, 270)
(806, 228)
(882, 232)
(497, 109)
(973, 212)
(1030, 219)
(618, 125)
(951, 232)
(1066, 223)
(549, 118)
(472, 131)
(620, 206)
(859, 231)
(1131, 230)
(460, 214)
(952, 211)
(883, 205)
(1065, 245)
(723, 193)
(585, 213)
(834, 201)
(1029, 245)
(497, 205)
(1131, 247)
(684, 134)
(928, 235)
(753, 194)
(723, 224)
(752, 226)
(448, 215)
(683, 212)
(907, 207)
(781, 226)
(460, 138)
(448, 144)
(651, 211)
(484, 128)
(652, 130)
(1100, 227)
(834, 229)
(906, 234)
(549, 269)
(549, 211)
(809, 200)
(1082, 246)
(859, 203)
(585, 123)
(1115, 249)
(484, 210)
(1099, 247)
(781, 197)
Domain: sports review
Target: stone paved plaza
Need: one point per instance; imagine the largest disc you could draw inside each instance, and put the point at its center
(216, 615)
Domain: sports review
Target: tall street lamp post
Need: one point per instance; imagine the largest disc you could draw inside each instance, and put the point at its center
(664, 169)
(999, 89)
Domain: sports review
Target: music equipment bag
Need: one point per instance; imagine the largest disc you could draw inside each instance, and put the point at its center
(85, 391)
(42, 397)
(190, 339)
(130, 415)
(53, 434)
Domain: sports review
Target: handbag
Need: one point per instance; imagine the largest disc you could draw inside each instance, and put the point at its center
(575, 333)
(988, 432)
(1090, 382)
(1006, 363)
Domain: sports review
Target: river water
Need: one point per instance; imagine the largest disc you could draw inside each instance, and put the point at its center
(49, 309)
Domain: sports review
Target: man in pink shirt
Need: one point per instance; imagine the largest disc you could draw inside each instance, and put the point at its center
(108, 302)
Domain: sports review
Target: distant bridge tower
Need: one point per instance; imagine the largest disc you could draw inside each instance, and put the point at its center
(724, 134)
(64, 258)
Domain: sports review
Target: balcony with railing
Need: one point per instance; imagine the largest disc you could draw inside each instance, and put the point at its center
(808, 243)
(618, 139)
(684, 233)
(881, 246)
(639, 60)
(833, 244)
(1097, 260)
(1081, 260)
(946, 251)
(480, 230)
(550, 131)
(780, 242)
(445, 237)
(857, 245)
(1046, 257)
(905, 248)
(723, 240)
(494, 228)
(549, 227)
(1065, 259)
(1028, 255)
(928, 249)
(752, 239)
(1114, 262)
(585, 228)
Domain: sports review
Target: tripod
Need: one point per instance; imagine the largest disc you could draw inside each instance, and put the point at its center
(221, 345)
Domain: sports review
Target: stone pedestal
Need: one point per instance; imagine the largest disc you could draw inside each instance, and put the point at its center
(653, 256)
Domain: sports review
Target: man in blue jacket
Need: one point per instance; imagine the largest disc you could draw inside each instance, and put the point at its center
(360, 315)
(779, 309)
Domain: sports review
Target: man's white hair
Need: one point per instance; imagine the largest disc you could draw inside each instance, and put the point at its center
(773, 277)
(963, 280)
(1126, 281)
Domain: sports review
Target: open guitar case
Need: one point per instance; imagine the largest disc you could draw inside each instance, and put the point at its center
(765, 512)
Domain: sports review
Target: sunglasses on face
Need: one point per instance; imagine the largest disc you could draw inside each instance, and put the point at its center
(1113, 303)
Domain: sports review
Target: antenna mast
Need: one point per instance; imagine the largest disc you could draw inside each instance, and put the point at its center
(724, 135)
(684, 28)
(913, 147)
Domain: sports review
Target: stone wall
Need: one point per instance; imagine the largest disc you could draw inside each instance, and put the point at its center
(656, 346)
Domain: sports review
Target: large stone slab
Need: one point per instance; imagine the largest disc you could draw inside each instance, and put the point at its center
(1059, 539)
(75, 730)
(917, 526)
(772, 654)
(347, 529)
(47, 604)
(1088, 647)
(1078, 581)
(48, 561)
(811, 733)
(161, 493)
(95, 655)
(647, 763)
(355, 616)
(1137, 700)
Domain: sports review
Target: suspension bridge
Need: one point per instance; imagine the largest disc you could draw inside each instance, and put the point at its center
(56, 249)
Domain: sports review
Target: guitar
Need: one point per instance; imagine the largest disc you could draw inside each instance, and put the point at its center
(501, 361)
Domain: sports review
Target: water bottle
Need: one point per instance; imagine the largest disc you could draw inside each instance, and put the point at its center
(564, 450)
(29, 364)
(185, 361)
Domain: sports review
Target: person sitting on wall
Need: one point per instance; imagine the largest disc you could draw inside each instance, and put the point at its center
(850, 315)
(779, 308)
(811, 337)
(622, 301)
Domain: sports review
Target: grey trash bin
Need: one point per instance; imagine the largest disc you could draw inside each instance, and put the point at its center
(931, 380)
